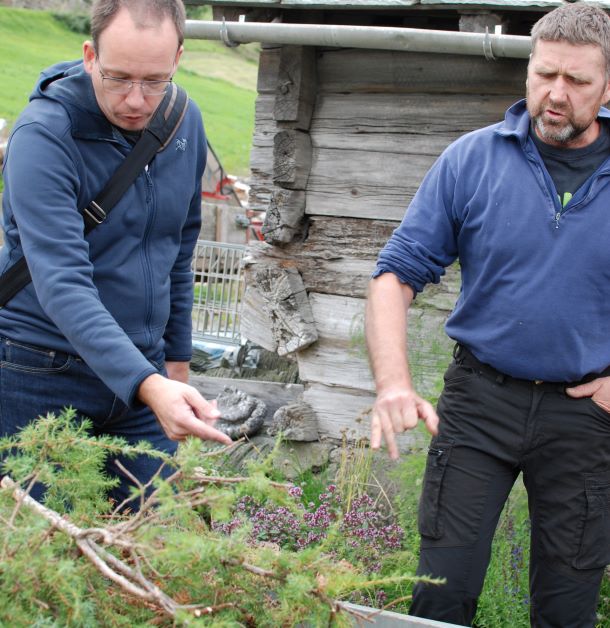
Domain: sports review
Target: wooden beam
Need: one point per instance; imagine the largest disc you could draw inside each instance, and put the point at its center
(339, 255)
(339, 358)
(402, 134)
(296, 86)
(276, 312)
(291, 159)
(353, 70)
(268, 70)
(482, 21)
(284, 216)
(345, 412)
(255, 322)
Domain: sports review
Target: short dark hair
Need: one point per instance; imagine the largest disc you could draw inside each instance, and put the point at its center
(577, 24)
(103, 12)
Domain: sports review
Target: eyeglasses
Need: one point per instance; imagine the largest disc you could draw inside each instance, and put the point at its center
(123, 86)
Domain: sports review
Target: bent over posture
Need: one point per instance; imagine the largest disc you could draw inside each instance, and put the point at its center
(525, 206)
(105, 325)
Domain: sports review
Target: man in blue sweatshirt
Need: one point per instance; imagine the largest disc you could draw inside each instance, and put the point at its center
(525, 206)
(105, 325)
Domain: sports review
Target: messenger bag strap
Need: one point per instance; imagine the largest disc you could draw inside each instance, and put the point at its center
(154, 138)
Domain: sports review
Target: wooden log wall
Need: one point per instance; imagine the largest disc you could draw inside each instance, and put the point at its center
(342, 141)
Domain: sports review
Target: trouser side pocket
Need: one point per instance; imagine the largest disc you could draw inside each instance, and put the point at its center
(594, 552)
(430, 521)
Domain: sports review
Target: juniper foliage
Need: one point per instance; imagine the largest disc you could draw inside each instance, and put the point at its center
(163, 565)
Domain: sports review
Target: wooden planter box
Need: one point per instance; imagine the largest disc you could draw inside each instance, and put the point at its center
(388, 619)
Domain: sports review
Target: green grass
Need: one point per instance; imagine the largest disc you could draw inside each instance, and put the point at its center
(220, 80)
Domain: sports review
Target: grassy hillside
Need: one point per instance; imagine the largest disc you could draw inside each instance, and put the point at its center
(220, 80)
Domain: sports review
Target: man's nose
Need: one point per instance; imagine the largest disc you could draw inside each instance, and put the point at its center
(558, 91)
(135, 97)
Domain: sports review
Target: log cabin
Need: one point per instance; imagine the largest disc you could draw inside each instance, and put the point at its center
(344, 134)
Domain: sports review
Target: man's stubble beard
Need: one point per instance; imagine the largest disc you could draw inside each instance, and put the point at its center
(561, 134)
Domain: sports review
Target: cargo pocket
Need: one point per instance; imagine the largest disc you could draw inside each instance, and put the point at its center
(594, 552)
(430, 522)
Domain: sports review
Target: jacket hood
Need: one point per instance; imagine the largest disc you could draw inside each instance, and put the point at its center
(517, 121)
(68, 84)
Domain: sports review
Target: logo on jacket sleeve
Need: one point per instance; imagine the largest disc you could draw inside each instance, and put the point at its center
(181, 144)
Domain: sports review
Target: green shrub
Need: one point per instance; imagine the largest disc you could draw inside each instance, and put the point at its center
(77, 22)
(77, 561)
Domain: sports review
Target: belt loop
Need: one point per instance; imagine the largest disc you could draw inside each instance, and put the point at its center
(457, 353)
(500, 377)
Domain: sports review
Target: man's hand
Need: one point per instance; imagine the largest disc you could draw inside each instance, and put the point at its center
(397, 410)
(181, 410)
(598, 390)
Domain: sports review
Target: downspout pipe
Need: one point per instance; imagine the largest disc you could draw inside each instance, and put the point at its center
(490, 45)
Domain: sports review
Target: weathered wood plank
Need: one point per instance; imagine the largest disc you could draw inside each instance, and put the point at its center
(330, 239)
(233, 13)
(261, 154)
(363, 183)
(482, 22)
(291, 159)
(502, 4)
(336, 274)
(346, 412)
(354, 4)
(275, 310)
(356, 70)
(260, 193)
(287, 303)
(268, 70)
(402, 134)
(339, 255)
(396, 4)
(339, 357)
(275, 395)
(346, 117)
(284, 217)
(255, 321)
(403, 123)
(296, 86)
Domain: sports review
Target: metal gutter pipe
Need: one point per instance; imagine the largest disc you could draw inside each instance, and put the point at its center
(490, 45)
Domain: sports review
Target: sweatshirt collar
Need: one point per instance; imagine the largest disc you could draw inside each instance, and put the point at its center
(517, 121)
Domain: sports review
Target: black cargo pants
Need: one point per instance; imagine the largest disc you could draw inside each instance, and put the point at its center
(492, 427)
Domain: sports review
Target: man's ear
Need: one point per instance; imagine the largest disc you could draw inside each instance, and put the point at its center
(178, 55)
(88, 56)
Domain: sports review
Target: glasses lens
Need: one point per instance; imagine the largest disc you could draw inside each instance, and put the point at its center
(116, 86)
(154, 88)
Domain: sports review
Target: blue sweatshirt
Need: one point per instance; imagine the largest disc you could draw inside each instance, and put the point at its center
(535, 296)
(122, 296)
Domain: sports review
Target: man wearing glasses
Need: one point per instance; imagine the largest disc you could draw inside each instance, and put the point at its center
(105, 325)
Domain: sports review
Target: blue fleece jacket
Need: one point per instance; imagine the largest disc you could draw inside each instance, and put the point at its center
(122, 296)
(535, 296)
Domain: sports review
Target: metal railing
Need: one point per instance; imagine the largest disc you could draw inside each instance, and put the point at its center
(219, 287)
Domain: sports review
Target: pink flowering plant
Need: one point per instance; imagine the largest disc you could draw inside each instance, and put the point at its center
(355, 532)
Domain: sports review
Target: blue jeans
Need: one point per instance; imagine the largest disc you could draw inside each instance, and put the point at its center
(35, 381)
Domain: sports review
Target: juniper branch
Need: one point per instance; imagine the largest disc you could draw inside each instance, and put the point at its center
(108, 565)
(200, 476)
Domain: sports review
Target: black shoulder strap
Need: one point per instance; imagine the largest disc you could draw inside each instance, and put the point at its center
(155, 138)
